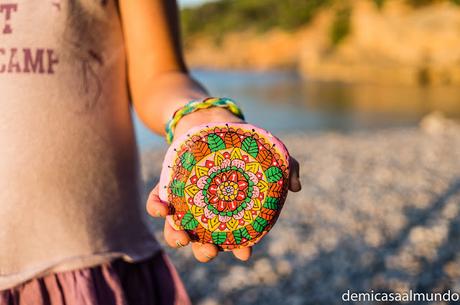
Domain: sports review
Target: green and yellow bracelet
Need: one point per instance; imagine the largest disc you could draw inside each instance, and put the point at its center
(195, 105)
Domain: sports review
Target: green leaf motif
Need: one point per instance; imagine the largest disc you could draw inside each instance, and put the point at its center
(237, 235)
(240, 234)
(189, 222)
(245, 233)
(250, 146)
(177, 188)
(219, 238)
(271, 203)
(259, 224)
(215, 142)
(273, 174)
(188, 160)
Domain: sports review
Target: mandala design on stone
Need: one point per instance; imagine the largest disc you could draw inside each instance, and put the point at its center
(226, 184)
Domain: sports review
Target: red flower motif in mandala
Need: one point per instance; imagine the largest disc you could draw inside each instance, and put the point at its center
(227, 191)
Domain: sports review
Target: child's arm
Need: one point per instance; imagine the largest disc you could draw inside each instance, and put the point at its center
(159, 85)
(158, 77)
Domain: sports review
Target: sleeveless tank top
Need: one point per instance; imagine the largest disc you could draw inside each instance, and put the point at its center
(69, 174)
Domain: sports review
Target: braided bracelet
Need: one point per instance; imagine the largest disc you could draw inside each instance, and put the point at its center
(195, 105)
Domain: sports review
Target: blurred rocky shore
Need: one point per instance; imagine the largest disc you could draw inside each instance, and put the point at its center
(379, 210)
(348, 41)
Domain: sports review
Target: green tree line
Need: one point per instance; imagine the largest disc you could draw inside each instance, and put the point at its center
(214, 19)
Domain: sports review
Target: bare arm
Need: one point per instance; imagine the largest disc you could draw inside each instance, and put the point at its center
(158, 76)
(160, 84)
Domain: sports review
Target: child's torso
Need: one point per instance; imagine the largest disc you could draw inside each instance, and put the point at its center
(68, 161)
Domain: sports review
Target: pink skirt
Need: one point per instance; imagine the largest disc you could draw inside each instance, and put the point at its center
(151, 282)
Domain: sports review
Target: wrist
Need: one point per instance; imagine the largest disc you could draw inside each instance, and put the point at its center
(161, 95)
(203, 116)
(229, 112)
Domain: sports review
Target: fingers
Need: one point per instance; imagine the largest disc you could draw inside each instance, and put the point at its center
(174, 238)
(243, 254)
(178, 238)
(155, 207)
(204, 252)
(294, 180)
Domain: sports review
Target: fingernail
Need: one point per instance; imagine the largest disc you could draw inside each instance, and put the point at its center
(179, 244)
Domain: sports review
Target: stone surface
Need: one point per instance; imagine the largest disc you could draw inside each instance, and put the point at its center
(226, 183)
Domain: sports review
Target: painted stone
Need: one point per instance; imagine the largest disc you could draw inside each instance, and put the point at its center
(225, 183)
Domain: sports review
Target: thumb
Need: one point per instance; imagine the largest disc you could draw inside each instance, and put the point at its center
(294, 180)
(156, 207)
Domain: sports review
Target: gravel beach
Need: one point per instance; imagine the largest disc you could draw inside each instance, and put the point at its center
(379, 210)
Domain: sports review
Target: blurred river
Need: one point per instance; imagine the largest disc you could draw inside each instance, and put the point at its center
(282, 102)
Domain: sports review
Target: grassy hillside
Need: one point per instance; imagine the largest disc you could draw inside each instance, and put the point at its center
(223, 16)
(217, 18)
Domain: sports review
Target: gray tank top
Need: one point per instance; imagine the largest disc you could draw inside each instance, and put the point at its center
(69, 178)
